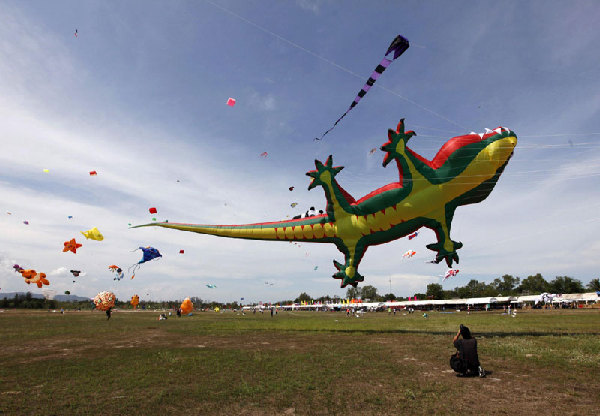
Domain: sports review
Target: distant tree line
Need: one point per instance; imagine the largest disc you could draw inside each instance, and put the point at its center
(27, 301)
(506, 285)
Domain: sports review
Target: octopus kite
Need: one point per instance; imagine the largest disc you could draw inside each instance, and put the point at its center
(427, 193)
(31, 276)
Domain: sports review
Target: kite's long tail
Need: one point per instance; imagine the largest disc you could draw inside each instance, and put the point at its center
(313, 229)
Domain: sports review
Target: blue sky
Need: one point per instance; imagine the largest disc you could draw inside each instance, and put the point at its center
(140, 97)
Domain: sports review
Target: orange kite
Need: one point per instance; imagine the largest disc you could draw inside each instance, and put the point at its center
(71, 246)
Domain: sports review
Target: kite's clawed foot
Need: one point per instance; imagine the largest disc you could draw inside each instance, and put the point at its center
(324, 173)
(444, 254)
(347, 274)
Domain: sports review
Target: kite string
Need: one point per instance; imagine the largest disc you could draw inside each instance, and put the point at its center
(331, 62)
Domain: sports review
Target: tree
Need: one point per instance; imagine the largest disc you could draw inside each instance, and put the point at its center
(533, 285)
(565, 284)
(388, 296)
(303, 297)
(594, 284)
(368, 293)
(435, 291)
(352, 293)
(505, 285)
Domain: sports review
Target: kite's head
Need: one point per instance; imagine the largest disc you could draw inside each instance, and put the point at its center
(395, 147)
(478, 159)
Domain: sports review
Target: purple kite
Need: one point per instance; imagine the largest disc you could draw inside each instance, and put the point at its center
(399, 45)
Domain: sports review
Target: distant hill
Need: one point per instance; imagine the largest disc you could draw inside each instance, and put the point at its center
(59, 298)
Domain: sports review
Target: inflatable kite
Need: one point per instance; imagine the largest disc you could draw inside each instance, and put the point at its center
(186, 306)
(75, 273)
(31, 276)
(105, 300)
(398, 46)
(93, 234)
(135, 301)
(427, 194)
(117, 271)
(413, 235)
(71, 246)
(149, 253)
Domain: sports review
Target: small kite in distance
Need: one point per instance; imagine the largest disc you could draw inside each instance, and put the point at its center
(264, 154)
(373, 150)
(93, 173)
(181, 251)
(409, 254)
(413, 235)
(451, 273)
(293, 204)
(26, 222)
(76, 273)
(231, 102)
(211, 286)
(291, 188)
(152, 210)
(75, 33)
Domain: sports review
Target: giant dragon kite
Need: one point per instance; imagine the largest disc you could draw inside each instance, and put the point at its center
(464, 171)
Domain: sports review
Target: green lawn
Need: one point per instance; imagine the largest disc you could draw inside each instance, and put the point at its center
(295, 363)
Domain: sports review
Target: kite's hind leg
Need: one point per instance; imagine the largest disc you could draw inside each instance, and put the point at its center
(445, 246)
(348, 272)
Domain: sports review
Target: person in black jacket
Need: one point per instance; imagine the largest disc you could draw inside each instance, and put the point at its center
(466, 360)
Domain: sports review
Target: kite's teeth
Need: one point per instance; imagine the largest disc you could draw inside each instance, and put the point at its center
(472, 132)
(498, 130)
(480, 135)
(487, 130)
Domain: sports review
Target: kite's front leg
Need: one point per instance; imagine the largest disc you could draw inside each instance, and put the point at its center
(445, 246)
(348, 272)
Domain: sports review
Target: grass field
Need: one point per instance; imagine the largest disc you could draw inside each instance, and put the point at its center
(541, 362)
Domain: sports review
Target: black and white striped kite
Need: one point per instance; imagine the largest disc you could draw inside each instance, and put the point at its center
(398, 46)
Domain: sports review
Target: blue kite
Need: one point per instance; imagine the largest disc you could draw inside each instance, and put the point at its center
(149, 253)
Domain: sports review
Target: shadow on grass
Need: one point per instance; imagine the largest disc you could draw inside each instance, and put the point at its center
(427, 332)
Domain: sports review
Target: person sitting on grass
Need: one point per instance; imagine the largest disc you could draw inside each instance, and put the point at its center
(466, 360)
